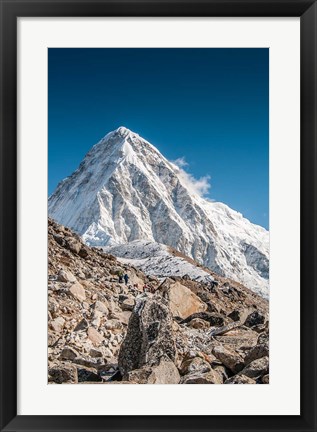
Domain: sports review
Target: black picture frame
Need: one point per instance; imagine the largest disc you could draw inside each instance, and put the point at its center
(10, 11)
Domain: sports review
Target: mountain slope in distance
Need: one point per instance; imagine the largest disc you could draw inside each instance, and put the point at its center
(125, 190)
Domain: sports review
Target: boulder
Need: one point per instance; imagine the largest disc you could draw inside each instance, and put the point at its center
(255, 318)
(68, 353)
(59, 239)
(239, 338)
(258, 351)
(114, 324)
(234, 315)
(95, 353)
(149, 339)
(212, 307)
(127, 304)
(96, 319)
(82, 325)
(214, 319)
(60, 228)
(229, 358)
(73, 245)
(257, 368)
(210, 358)
(140, 376)
(101, 307)
(117, 382)
(80, 274)
(164, 373)
(78, 291)
(218, 331)
(57, 324)
(211, 377)
(52, 338)
(223, 371)
(83, 253)
(266, 379)
(63, 374)
(107, 353)
(66, 276)
(124, 317)
(198, 323)
(87, 374)
(182, 301)
(95, 337)
(196, 364)
(260, 328)
(263, 338)
(88, 362)
(204, 296)
(240, 379)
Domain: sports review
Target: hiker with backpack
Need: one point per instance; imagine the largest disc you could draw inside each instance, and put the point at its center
(120, 274)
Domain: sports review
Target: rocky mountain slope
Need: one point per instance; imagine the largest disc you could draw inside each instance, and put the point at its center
(174, 330)
(125, 190)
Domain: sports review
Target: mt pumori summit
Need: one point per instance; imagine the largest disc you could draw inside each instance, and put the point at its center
(125, 190)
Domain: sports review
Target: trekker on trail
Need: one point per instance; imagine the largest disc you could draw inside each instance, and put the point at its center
(120, 274)
(126, 278)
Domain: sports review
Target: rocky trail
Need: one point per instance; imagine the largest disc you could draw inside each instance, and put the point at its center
(150, 330)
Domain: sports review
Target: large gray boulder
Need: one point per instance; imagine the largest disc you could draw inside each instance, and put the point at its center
(149, 339)
(211, 377)
(257, 368)
(165, 373)
(255, 318)
(257, 352)
(228, 357)
(240, 379)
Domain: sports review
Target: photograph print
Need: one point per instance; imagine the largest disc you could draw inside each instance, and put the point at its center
(158, 215)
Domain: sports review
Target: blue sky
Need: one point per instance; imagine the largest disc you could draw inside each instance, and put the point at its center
(208, 106)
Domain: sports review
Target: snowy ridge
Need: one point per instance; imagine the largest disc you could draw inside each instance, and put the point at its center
(126, 190)
(155, 259)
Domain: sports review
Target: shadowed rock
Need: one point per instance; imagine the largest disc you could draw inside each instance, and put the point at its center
(255, 318)
(210, 377)
(149, 336)
(214, 319)
(240, 379)
(257, 368)
(258, 351)
(165, 373)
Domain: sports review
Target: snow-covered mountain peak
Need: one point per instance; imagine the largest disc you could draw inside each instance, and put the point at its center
(120, 143)
(126, 190)
(123, 130)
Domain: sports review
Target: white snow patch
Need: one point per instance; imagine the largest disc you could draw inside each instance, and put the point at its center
(155, 259)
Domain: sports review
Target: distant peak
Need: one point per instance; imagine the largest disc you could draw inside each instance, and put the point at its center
(123, 131)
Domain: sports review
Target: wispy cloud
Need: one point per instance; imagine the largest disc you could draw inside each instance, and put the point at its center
(199, 186)
(180, 162)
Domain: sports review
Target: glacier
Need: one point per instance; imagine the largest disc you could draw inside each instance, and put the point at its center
(125, 190)
(155, 259)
